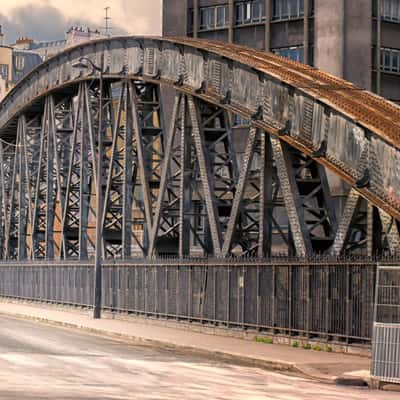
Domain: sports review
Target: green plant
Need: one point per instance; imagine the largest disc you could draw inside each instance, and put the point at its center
(295, 344)
(328, 348)
(306, 346)
(262, 339)
(317, 348)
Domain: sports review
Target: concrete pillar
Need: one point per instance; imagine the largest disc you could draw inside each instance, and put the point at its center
(195, 18)
(231, 10)
(329, 36)
(378, 45)
(267, 37)
(357, 43)
(174, 20)
(306, 31)
(329, 40)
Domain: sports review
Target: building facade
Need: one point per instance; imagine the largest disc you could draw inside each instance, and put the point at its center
(74, 36)
(358, 40)
(14, 64)
(17, 59)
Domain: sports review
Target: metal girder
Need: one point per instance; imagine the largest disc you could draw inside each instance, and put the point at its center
(44, 194)
(186, 191)
(247, 160)
(16, 225)
(320, 116)
(205, 175)
(291, 196)
(165, 216)
(355, 232)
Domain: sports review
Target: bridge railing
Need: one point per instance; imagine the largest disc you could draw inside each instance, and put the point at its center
(326, 298)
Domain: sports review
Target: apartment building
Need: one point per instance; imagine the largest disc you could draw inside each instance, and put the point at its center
(358, 40)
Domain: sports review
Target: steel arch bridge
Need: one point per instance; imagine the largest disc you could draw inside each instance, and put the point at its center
(177, 179)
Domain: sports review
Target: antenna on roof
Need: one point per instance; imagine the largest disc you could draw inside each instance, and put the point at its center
(107, 20)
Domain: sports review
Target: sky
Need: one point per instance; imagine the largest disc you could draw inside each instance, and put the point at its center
(50, 19)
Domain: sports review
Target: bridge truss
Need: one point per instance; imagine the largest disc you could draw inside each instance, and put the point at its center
(179, 178)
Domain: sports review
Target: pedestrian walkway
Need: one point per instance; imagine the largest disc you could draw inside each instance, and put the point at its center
(324, 366)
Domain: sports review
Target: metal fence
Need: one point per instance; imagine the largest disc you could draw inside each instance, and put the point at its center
(330, 299)
(386, 335)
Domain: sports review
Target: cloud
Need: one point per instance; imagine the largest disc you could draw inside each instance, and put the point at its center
(41, 22)
(141, 17)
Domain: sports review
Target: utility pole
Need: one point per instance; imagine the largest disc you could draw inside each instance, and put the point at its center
(107, 20)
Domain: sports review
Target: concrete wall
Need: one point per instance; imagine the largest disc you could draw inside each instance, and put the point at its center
(174, 17)
(6, 59)
(357, 50)
(221, 35)
(343, 33)
(329, 36)
(285, 34)
(252, 36)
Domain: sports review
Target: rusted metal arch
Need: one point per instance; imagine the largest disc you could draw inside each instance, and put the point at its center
(327, 119)
(167, 59)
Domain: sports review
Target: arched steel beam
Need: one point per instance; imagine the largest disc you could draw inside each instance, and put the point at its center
(352, 132)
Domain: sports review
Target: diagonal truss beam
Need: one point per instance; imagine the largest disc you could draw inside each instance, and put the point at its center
(205, 175)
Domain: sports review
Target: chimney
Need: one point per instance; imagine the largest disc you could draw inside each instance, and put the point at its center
(1, 36)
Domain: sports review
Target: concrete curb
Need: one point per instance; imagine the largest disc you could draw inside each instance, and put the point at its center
(271, 365)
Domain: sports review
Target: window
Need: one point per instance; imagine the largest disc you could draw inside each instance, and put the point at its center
(19, 63)
(4, 71)
(390, 10)
(255, 11)
(190, 20)
(295, 53)
(222, 17)
(203, 18)
(287, 9)
(213, 17)
(250, 12)
(390, 60)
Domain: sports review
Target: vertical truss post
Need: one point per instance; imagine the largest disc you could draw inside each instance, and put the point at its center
(142, 167)
(248, 157)
(128, 176)
(206, 178)
(8, 155)
(292, 200)
(2, 199)
(179, 106)
(351, 231)
(185, 189)
(266, 197)
(16, 230)
(390, 232)
(62, 128)
(45, 190)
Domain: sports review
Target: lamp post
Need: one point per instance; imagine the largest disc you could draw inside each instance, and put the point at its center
(86, 63)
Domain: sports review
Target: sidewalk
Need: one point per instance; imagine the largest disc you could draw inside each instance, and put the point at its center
(323, 366)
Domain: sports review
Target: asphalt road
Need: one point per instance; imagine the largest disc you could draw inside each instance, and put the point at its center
(43, 362)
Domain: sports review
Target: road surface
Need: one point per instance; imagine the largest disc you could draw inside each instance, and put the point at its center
(43, 362)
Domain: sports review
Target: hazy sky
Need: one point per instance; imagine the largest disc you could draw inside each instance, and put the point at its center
(49, 19)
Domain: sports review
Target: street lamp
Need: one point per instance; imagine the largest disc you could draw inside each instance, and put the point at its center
(86, 63)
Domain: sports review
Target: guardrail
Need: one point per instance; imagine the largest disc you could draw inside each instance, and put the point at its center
(325, 298)
(386, 333)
